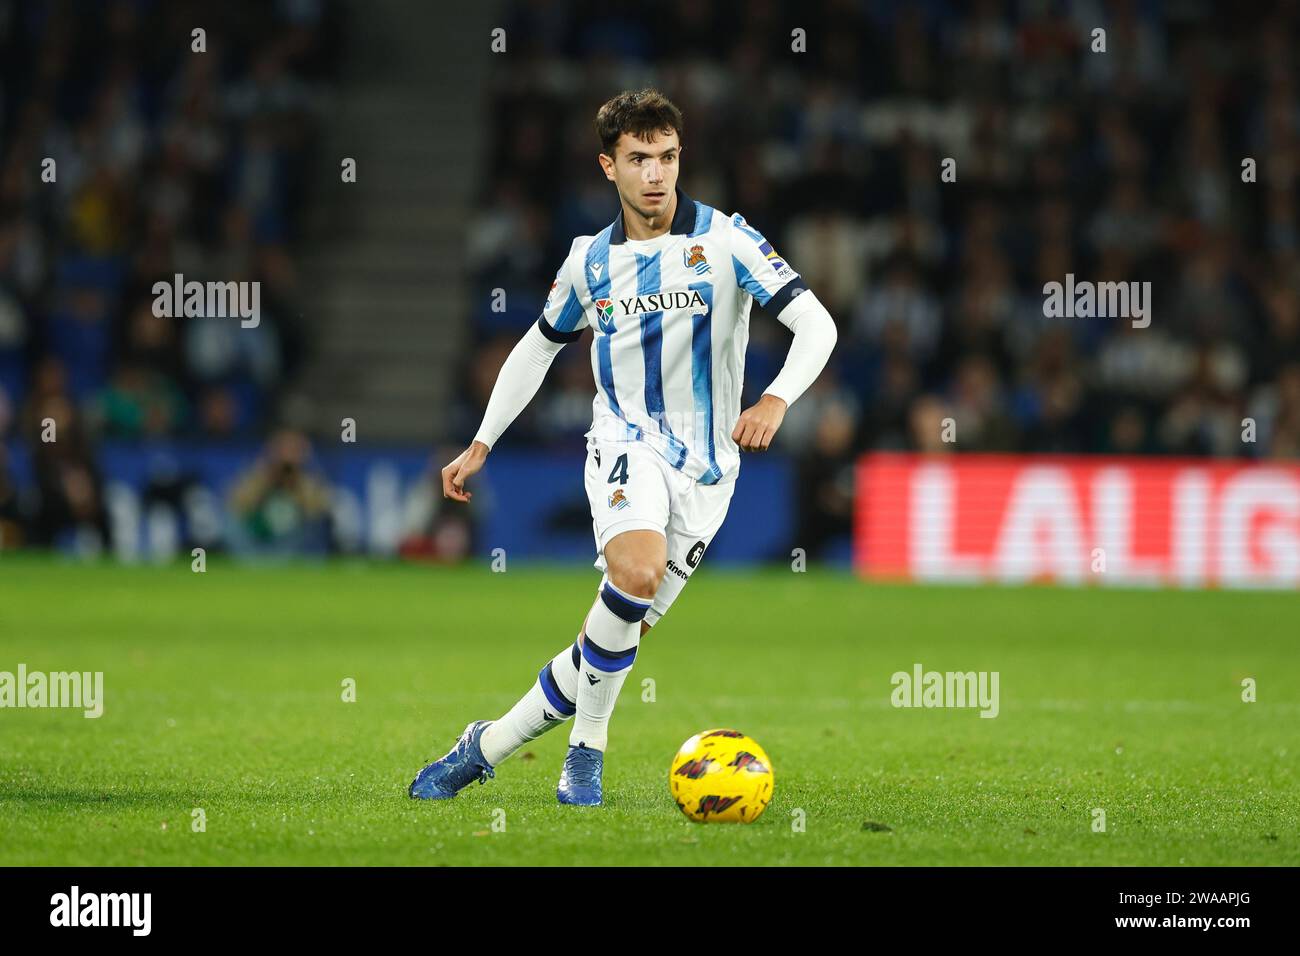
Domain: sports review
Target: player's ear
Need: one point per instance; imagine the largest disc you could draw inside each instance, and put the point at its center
(606, 164)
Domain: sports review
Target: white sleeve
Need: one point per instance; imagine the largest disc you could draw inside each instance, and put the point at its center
(518, 381)
(814, 339)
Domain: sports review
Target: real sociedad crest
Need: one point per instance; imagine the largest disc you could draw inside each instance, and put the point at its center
(693, 258)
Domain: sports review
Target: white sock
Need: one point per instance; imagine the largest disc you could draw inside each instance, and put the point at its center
(548, 703)
(609, 647)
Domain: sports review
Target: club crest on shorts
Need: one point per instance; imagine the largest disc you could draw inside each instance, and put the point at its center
(693, 556)
(618, 500)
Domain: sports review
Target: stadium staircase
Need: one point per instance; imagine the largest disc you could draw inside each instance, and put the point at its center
(385, 306)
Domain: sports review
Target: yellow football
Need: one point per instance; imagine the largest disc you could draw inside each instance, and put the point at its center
(721, 776)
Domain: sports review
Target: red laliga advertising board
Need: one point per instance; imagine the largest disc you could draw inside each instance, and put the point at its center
(1078, 519)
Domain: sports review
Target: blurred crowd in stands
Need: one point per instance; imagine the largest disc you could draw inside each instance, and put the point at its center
(128, 156)
(826, 123)
(1123, 165)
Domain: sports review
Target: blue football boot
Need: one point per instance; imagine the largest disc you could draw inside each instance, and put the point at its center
(462, 765)
(580, 779)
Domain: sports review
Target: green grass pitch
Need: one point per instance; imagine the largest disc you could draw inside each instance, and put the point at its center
(224, 692)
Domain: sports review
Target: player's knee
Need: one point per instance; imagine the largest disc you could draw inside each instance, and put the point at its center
(639, 579)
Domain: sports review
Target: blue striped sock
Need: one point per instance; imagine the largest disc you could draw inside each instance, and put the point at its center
(609, 647)
(548, 703)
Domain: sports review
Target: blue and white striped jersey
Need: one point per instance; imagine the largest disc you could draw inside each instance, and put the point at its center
(670, 317)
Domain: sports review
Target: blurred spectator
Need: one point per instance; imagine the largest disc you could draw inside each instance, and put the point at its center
(13, 527)
(280, 506)
(69, 508)
(824, 476)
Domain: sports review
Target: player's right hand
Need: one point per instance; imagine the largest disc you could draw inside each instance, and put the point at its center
(467, 463)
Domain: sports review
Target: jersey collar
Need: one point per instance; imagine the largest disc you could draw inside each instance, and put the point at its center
(683, 220)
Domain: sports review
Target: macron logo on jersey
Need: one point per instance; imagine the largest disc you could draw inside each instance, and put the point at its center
(596, 269)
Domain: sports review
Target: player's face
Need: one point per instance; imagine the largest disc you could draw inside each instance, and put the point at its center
(645, 172)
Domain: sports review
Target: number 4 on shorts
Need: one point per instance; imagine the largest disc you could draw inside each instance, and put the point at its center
(619, 471)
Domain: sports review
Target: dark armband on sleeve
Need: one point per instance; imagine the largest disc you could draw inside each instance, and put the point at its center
(784, 294)
(555, 335)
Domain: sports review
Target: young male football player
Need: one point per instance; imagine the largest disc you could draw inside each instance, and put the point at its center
(667, 290)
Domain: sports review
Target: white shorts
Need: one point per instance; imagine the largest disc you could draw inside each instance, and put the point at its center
(631, 488)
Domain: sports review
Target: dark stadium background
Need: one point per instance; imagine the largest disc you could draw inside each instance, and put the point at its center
(273, 709)
(474, 171)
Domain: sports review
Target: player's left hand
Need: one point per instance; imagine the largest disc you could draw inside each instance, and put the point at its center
(757, 425)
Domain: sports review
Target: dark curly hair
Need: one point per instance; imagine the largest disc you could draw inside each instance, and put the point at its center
(643, 113)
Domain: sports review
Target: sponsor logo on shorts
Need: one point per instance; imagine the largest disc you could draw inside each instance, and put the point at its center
(618, 500)
(693, 556)
(677, 571)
